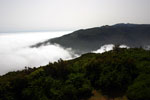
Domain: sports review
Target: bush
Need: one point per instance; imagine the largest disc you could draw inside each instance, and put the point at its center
(140, 89)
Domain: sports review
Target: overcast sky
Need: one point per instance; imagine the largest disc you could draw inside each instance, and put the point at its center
(60, 15)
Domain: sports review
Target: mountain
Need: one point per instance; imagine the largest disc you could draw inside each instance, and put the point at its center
(87, 40)
(114, 74)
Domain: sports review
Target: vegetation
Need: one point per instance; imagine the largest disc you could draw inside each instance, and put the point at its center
(87, 40)
(117, 73)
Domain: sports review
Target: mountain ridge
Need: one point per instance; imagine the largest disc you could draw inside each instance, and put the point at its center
(87, 40)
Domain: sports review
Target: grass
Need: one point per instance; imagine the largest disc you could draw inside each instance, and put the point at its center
(99, 96)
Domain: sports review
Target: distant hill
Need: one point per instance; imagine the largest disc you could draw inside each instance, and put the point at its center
(86, 40)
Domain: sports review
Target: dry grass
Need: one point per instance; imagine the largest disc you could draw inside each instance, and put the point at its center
(98, 96)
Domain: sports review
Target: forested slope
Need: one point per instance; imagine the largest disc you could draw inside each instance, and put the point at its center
(117, 73)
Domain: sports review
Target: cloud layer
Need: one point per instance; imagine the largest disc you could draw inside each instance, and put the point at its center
(108, 47)
(15, 53)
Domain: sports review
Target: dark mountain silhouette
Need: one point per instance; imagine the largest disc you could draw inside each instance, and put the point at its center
(86, 40)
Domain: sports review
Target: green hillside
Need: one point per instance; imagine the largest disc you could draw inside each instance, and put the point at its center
(117, 73)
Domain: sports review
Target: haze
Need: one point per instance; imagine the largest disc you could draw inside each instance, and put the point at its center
(61, 15)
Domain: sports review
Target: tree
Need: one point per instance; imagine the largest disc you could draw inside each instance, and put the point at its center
(116, 76)
(77, 87)
(140, 89)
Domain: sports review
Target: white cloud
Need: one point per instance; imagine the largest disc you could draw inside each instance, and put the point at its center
(15, 53)
(124, 46)
(104, 48)
(108, 47)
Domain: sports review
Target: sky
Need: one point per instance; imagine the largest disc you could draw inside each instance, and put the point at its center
(62, 15)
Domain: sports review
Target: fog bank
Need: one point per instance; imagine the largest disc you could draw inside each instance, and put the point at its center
(15, 53)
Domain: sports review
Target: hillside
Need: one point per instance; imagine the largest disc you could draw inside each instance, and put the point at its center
(117, 73)
(87, 40)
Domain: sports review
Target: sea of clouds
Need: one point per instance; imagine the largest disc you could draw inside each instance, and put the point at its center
(15, 52)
